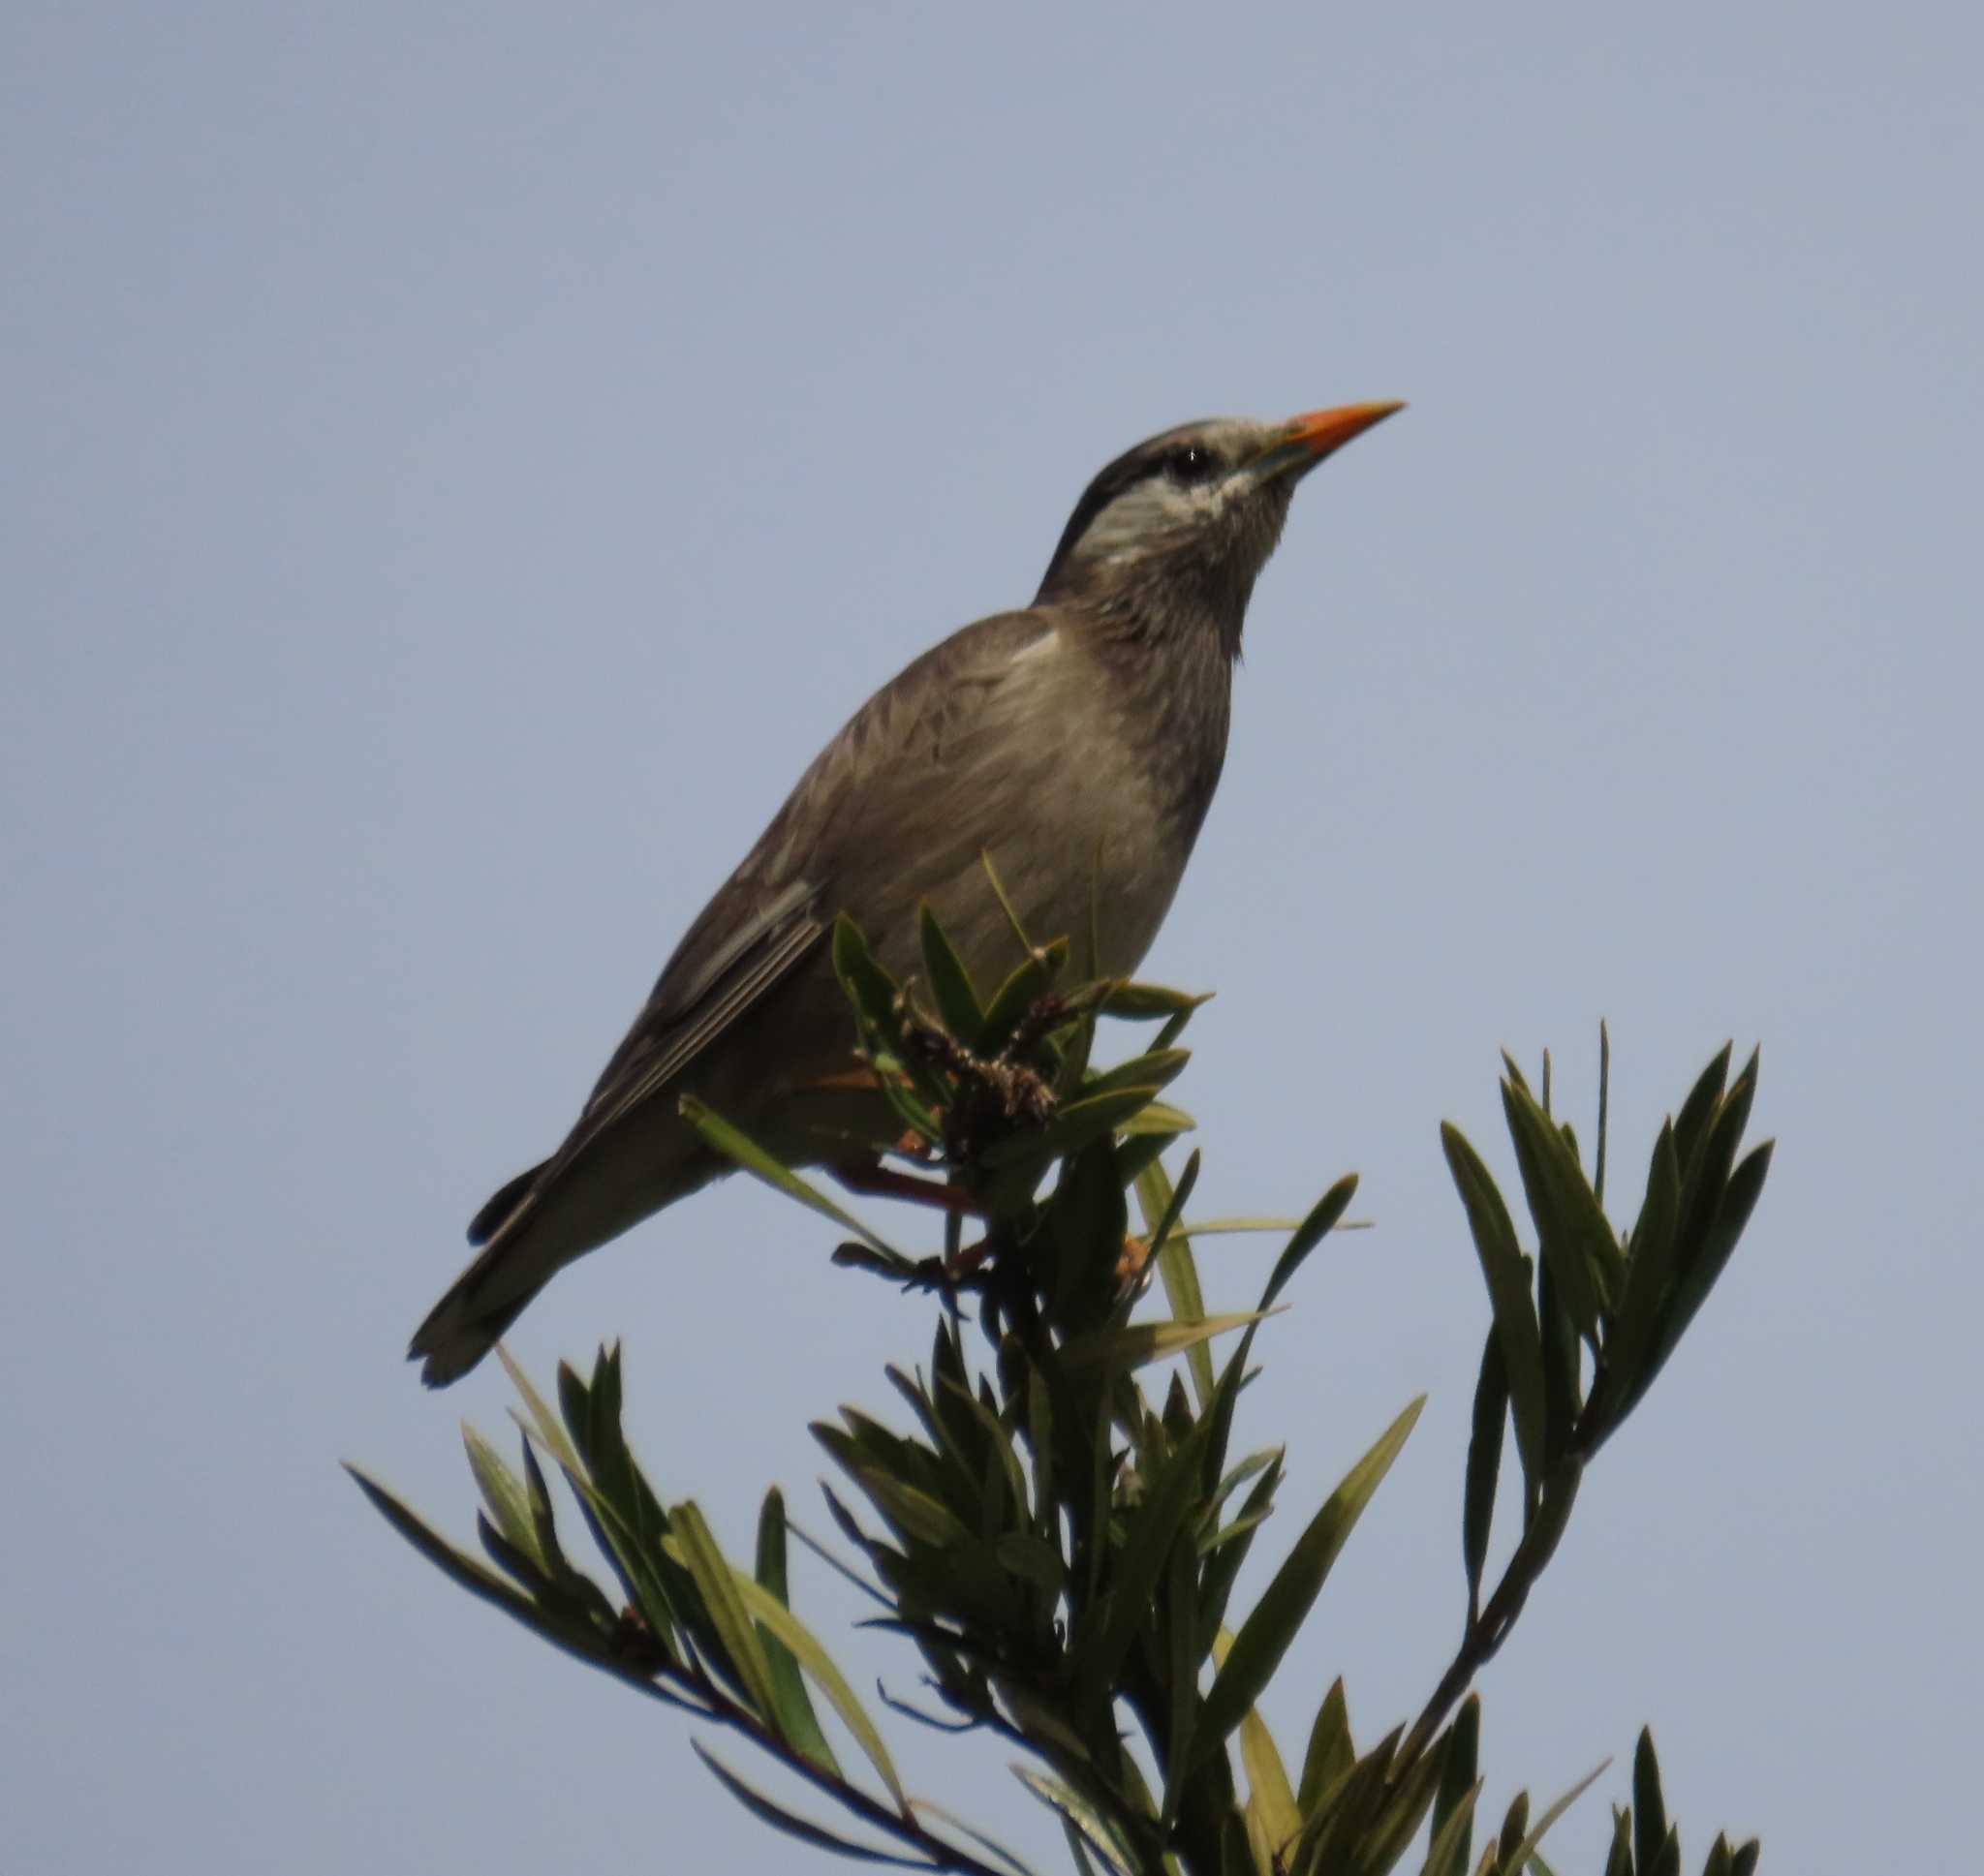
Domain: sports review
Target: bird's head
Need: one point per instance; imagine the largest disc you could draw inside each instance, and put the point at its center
(1177, 528)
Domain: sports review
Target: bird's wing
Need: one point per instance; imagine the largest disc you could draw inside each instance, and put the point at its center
(732, 955)
(894, 766)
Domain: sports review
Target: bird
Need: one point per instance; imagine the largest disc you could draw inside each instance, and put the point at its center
(1075, 744)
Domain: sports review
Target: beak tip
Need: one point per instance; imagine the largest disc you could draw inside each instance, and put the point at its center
(1326, 431)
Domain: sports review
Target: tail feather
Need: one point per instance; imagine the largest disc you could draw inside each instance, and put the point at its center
(488, 1297)
(537, 1224)
(505, 1200)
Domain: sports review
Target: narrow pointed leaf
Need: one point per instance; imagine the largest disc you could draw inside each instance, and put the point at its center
(1322, 1220)
(1331, 1753)
(1154, 1527)
(1095, 1830)
(1577, 1240)
(1453, 1809)
(1019, 992)
(1273, 1822)
(1691, 1124)
(695, 1548)
(743, 1152)
(1160, 1200)
(1484, 1463)
(1265, 1637)
(1120, 1350)
(1402, 1811)
(788, 1686)
(1649, 1806)
(568, 1632)
(1453, 1835)
(1157, 1118)
(1619, 1858)
(792, 1825)
(1650, 1268)
(1739, 1200)
(819, 1668)
(1507, 1272)
(1528, 1847)
(1147, 1002)
(503, 1492)
(950, 983)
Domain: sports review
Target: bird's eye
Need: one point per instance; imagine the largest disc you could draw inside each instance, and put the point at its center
(1191, 462)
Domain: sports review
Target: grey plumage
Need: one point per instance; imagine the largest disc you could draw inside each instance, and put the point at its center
(1080, 739)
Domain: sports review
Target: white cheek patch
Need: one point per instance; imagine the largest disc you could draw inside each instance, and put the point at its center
(1145, 513)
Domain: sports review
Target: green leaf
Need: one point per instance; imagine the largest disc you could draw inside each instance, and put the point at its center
(1157, 1117)
(1401, 1810)
(792, 1825)
(1577, 1242)
(744, 1659)
(1154, 1068)
(1743, 1861)
(1094, 1831)
(1739, 1200)
(1311, 1232)
(1073, 1127)
(1020, 1553)
(1159, 1201)
(951, 984)
(1238, 1226)
(1269, 1799)
(1170, 1498)
(928, 1807)
(1618, 1859)
(1649, 1269)
(1148, 1002)
(1330, 1832)
(742, 1150)
(503, 1492)
(563, 1630)
(1528, 1847)
(1182, 1660)
(1485, 1464)
(1453, 1809)
(1331, 1753)
(1167, 1221)
(1005, 899)
(1562, 1364)
(1453, 1835)
(1721, 1862)
(819, 1668)
(1515, 1824)
(1506, 1270)
(1119, 1350)
(801, 1725)
(1690, 1125)
(873, 992)
(1649, 1806)
(1265, 1635)
(1019, 992)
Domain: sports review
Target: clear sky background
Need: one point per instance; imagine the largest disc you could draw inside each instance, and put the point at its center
(460, 461)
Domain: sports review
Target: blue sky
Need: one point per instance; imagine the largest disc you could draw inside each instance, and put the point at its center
(459, 463)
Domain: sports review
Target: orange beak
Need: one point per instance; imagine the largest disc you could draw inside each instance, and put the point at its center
(1307, 440)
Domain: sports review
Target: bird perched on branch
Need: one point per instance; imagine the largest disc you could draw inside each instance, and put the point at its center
(1077, 743)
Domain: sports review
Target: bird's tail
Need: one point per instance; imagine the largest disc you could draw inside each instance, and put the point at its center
(495, 1289)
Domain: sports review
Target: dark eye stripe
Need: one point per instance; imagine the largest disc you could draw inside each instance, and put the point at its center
(1133, 466)
(1190, 463)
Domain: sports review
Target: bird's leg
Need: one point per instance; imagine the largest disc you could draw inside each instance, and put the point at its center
(871, 1177)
